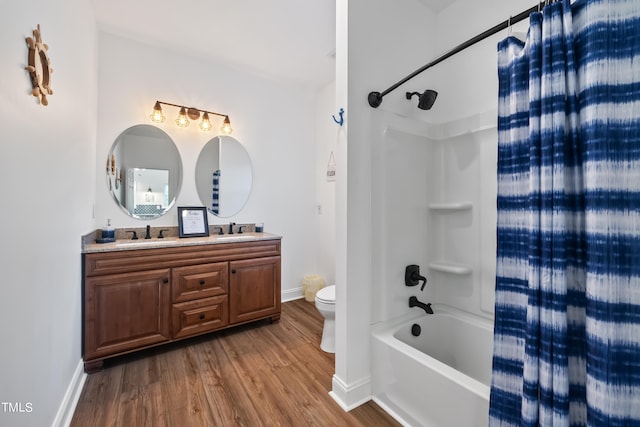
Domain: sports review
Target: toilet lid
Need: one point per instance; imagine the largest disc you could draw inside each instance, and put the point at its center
(327, 295)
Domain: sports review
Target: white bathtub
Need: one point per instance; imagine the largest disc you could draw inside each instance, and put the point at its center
(438, 379)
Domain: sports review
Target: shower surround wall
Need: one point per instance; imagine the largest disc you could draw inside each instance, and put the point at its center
(435, 184)
(434, 206)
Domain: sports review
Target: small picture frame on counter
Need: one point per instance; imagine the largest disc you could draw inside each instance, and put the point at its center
(192, 221)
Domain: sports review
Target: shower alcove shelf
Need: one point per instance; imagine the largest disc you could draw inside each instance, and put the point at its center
(451, 268)
(451, 207)
(447, 266)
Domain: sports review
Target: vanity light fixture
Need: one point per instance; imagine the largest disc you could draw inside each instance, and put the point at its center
(182, 120)
(226, 126)
(205, 124)
(187, 113)
(157, 115)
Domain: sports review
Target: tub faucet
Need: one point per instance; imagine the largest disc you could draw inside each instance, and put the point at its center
(414, 302)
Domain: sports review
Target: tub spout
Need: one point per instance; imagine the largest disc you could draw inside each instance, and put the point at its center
(414, 302)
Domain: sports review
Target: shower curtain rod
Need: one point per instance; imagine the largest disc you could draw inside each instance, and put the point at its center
(375, 98)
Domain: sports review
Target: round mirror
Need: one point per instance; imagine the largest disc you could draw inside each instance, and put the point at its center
(144, 171)
(223, 176)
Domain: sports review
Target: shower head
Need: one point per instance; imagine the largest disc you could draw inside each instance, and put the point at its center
(425, 99)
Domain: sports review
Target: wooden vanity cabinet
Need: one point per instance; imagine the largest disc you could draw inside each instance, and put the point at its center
(135, 299)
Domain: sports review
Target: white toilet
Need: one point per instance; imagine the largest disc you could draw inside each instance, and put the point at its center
(326, 305)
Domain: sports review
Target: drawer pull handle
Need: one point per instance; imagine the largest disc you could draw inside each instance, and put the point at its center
(201, 282)
(165, 280)
(202, 317)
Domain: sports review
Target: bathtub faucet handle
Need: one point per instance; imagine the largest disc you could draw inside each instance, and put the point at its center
(412, 276)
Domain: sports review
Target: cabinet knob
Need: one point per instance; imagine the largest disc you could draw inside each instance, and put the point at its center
(165, 280)
(233, 271)
(201, 282)
(202, 317)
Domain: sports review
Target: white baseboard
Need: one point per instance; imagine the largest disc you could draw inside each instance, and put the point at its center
(350, 396)
(292, 294)
(68, 406)
(393, 413)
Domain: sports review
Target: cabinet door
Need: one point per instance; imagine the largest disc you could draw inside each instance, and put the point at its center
(254, 289)
(127, 311)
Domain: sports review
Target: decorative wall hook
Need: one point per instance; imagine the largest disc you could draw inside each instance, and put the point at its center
(341, 121)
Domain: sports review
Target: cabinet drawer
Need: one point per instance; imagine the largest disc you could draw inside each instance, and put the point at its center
(199, 281)
(200, 316)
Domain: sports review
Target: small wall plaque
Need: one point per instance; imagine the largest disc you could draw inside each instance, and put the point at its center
(39, 67)
(331, 169)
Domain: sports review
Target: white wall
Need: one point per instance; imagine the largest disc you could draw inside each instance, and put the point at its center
(327, 137)
(468, 82)
(378, 42)
(274, 120)
(48, 169)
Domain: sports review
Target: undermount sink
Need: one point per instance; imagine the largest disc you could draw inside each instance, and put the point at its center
(145, 242)
(235, 237)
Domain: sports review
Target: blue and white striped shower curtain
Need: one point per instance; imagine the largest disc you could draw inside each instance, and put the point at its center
(567, 328)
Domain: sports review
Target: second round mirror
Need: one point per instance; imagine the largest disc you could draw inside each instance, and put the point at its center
(223, 176)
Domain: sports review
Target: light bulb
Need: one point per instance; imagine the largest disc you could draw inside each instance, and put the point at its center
(182, 120)
(226, 126)
(157, 115)
(205, 124)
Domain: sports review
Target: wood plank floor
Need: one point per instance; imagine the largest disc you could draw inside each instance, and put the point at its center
(254, 375)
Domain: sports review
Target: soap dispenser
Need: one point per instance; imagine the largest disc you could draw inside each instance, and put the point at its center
(108, 233)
